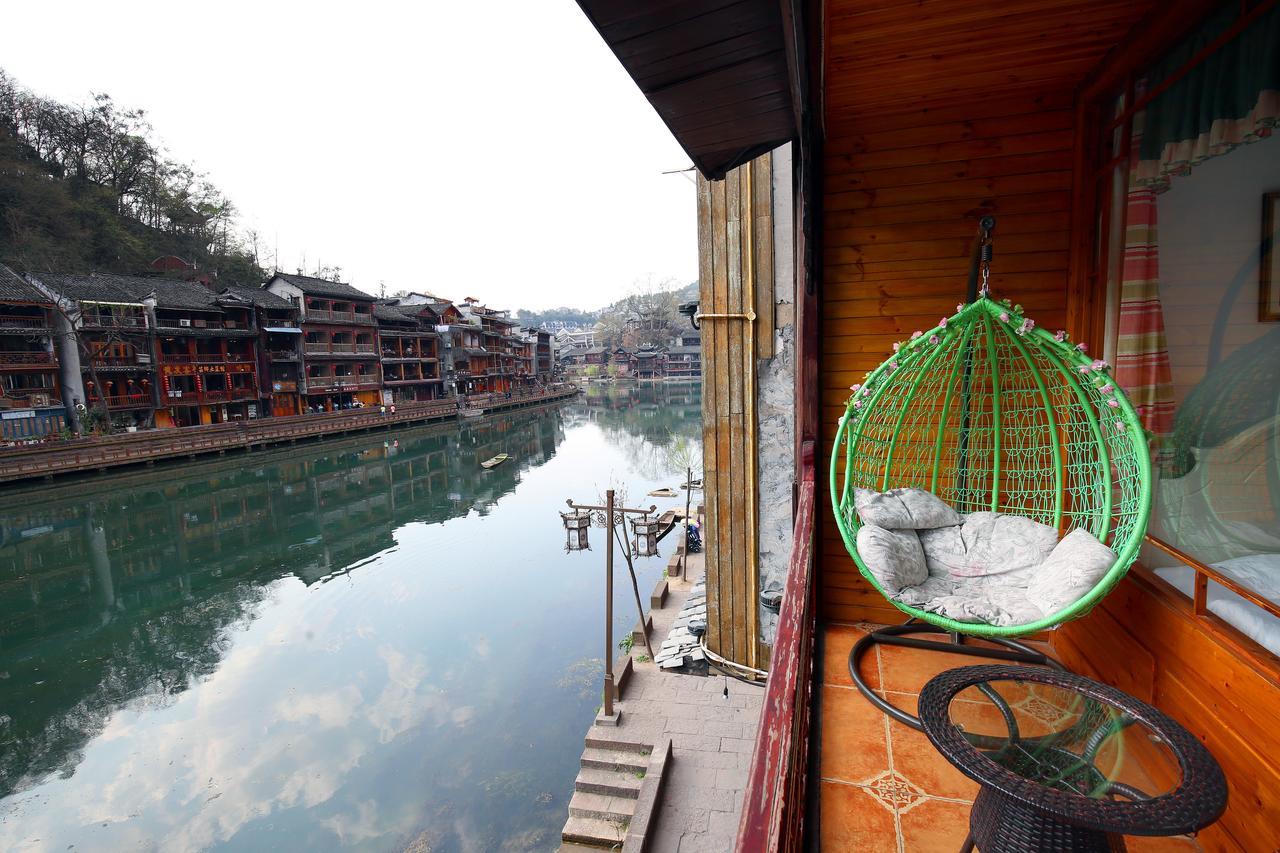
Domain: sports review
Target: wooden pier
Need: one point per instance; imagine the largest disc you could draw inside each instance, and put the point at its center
(104, 452)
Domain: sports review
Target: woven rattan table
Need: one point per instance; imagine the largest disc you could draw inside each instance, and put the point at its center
(1066, 763)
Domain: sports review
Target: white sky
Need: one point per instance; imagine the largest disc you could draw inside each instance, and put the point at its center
(487, 149)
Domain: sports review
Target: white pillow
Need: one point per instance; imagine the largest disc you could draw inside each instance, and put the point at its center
(944, 551)
(903, 509)
(1074, 568)
(893, 557)
(1008, 546)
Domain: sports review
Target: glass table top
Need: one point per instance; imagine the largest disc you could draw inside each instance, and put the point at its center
(1065, 740)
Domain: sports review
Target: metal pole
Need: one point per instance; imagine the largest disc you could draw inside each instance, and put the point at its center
(688, 499)
(608, 610)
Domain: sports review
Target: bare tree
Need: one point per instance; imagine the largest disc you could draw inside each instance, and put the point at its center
(92, 351)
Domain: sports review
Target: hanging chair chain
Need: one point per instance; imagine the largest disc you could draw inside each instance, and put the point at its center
(980, 260)
(986, 258)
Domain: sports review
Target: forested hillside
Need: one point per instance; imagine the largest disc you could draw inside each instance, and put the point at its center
(87, 187)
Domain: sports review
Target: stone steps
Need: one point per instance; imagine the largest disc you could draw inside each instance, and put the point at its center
(602, 807)
(593, 832)
(611, 783)
(598, 738)
(607, 791)
(615, 759)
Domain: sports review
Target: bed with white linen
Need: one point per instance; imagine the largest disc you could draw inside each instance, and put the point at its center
(1258, 572)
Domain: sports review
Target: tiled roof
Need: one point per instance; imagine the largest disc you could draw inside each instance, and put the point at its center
(188, 295)
(87, 288)
(391, 314)
(194, 332)
(108, 287)
(260, 297)
(14, 289)
(323, 287)
(684, 350)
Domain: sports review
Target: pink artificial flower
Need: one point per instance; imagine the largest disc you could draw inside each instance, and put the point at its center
(1082, 347)
(1060, 335)
(897, 345)
(857, 404)
(1108, 388)
(1119, 425)
(1084, 368)
(916, 334)
(933, 339)
(1113, 403)
(959, 307)
(854, 388)
(1027, 325)
(1099, 364)
(942, 324)
(1004, 316)
(893, 365)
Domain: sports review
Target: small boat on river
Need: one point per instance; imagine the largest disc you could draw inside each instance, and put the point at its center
(495, 461)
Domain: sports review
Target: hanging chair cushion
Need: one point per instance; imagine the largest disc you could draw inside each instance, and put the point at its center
(904, 509)
(988, 544)
(974, 601)
(1075, 567)
(893, 556)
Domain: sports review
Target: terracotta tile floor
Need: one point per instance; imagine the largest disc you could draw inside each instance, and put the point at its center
(883, 787)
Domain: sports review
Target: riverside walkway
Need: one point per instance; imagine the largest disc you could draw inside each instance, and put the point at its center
(28, 462)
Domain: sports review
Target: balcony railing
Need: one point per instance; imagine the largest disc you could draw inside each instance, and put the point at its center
(282, 355)
(114, 321)
(27, 357)
(140, 360)
(774, 802)
(23, 323)
(327, 348)
(219, 395)
(337, 383)
(124, 401)
(206, 357)
(339, 316)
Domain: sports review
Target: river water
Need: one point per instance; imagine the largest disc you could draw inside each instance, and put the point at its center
(368, 643)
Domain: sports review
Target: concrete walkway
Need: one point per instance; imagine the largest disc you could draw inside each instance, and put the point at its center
(711, 722)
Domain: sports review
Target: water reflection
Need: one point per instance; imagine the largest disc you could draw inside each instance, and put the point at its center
(369, 643)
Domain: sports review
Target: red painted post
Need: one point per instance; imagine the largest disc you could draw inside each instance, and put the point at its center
(773, 804)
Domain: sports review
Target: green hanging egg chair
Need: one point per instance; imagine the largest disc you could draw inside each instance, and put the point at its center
(990, 413)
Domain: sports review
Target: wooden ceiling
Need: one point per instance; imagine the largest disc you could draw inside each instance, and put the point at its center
(715, 71)
(880, 54)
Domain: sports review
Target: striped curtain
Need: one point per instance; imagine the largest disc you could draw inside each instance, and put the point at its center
(1142, 355)
(1227, 99)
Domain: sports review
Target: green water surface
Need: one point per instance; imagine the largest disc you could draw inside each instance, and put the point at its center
(366, 643)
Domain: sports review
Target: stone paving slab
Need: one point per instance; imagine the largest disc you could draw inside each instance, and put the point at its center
(712, 734)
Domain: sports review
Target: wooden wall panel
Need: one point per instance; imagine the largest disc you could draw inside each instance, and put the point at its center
(735, 250)
(1222, 687)
(898, 231)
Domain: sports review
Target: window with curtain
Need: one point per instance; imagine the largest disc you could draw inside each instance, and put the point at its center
(1192, 181)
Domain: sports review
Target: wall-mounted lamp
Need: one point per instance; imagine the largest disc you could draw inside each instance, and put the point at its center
(690, 310)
